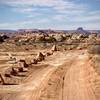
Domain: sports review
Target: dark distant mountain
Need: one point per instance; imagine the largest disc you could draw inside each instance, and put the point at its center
(94, 31)
(36, 30)
(82, 31)
(79, 30)
(8, 31)
(27, 30)
(98, 31)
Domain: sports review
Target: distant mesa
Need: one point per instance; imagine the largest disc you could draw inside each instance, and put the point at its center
(82, 31)
(79, 30)
(8, 31)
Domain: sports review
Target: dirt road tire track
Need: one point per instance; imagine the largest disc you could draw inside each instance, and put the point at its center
(72, 80)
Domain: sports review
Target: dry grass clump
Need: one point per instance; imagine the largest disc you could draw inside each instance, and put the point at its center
(94, 49)
(94, 52)
(96, 63)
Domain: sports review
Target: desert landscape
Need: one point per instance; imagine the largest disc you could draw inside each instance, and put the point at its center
(49, 49)
(54, 66)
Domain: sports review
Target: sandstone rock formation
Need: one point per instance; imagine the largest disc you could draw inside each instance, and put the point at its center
(40, 57)
(54, 48)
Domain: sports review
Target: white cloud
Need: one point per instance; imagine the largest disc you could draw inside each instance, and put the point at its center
(87, 18)
(33, 2)
(93, 26)
(92, 16)
(34, 15)
(43, 24)
(24, 10)
(23, 24)
(14, 25)
(58, 5)
(65, 11)
(59, 17)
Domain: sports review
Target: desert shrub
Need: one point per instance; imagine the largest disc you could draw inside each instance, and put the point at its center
(94, 49)
(51, 39)
(40, 38)
(60, 38)
(96, 63)
(1, 39)
(5, 37)
(92, 36)
(84, 36)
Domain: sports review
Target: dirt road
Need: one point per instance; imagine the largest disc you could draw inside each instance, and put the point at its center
(68, 76)
(77, 85)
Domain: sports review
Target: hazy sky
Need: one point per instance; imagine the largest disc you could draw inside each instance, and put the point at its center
(49, 14)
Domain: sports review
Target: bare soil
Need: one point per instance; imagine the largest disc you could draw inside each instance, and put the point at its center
(67, 75)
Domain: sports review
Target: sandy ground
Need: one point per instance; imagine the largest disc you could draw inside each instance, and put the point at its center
(66, 76)
(77, 85)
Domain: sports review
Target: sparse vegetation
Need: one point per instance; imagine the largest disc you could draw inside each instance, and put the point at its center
(94, 49)
(61, 60)
(2, 38)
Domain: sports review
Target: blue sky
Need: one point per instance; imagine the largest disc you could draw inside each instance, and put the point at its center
(49, 14)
